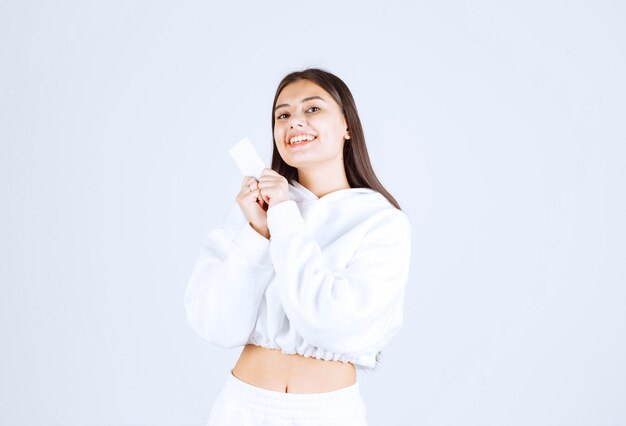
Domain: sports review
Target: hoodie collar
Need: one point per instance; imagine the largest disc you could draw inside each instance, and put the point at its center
(299, 192)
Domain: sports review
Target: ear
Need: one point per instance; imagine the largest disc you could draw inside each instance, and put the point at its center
(347, 136)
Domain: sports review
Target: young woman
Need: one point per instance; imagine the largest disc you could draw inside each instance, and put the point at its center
(307, 270)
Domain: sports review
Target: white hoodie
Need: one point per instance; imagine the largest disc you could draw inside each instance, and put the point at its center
(329, 283)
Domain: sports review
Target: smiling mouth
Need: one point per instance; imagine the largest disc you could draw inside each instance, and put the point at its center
(303, 142)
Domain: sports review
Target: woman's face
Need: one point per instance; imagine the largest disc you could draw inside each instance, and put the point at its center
(304, 108)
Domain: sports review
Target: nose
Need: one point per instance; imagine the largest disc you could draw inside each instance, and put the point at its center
(296, 119)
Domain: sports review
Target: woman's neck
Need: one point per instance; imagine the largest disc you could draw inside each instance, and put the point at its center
(321, 182)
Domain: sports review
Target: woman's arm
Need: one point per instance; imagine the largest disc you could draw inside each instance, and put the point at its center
(354, 309)
(229, 278)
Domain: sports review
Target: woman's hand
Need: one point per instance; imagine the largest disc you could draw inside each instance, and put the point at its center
(273, 187)
(253, 206)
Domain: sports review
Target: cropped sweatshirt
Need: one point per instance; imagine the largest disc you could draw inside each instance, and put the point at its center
(329, 283)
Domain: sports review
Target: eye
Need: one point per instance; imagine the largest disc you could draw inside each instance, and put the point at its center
(284, 113)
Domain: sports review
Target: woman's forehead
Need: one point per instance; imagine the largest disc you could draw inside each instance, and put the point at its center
(301, 89)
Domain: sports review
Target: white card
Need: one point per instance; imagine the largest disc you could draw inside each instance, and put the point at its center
(247, 158)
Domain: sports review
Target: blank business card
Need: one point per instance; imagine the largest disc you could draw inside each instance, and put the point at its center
(247, 158)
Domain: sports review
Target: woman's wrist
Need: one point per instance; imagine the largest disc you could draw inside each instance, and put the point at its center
(264, 231)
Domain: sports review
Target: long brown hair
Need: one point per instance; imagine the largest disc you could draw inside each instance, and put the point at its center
(356, 160)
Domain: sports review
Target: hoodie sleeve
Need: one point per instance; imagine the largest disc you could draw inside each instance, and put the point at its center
(354, 309)
(228, 281)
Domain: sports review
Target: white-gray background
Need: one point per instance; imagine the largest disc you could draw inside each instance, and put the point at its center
(498, 126)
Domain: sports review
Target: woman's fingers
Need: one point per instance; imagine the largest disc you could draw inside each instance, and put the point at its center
(266, 182)
(250, 187)
(270, 187)
(250, 184)
(246, 181)
(249, 192)
(273, 187)
(269, 172)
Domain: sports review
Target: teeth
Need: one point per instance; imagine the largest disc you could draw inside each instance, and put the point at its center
(298, 139)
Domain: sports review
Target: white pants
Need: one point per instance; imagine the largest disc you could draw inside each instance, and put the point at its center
(241, 404)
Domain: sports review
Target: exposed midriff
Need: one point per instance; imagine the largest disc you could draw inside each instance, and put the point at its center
(272, 370)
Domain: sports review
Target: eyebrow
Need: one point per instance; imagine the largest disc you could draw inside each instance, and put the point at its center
(303, 100)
